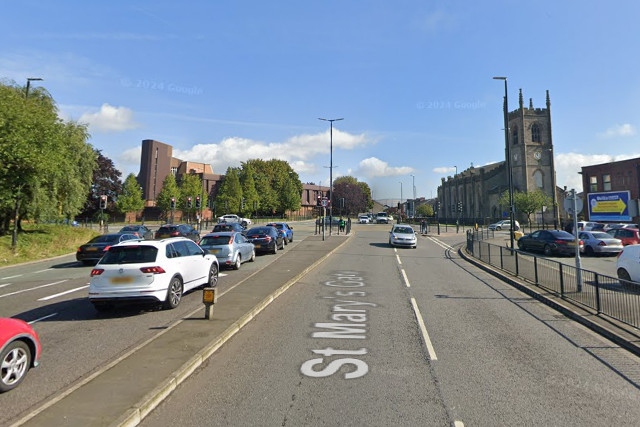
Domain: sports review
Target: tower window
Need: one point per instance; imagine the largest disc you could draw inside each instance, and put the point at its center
(537, 178)
(535, 133)
(514, 136)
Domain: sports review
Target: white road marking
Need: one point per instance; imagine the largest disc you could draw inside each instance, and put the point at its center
(423, 330)
(5, 285)
(32, 289)
(406, 279)
(63, 293)
(10, 277)
(42, 318)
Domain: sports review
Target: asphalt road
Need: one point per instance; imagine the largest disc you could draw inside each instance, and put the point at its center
(379, 336)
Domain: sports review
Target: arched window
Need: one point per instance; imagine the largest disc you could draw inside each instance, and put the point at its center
(514, 136)
(537, 178)
(535, 133)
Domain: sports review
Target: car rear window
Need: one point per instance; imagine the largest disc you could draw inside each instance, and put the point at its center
(166, 229)
(214, 240)
(130, 255)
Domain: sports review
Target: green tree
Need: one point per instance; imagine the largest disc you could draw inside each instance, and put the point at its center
(190, 186)
(169, 191)
(527, 203)
(249, 192)
(230, 194)
(131, 198)
(424, 210)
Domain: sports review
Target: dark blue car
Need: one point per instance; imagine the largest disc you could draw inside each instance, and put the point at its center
(285, 229)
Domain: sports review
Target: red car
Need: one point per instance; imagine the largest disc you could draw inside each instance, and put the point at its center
(20, 350)
(629, 236)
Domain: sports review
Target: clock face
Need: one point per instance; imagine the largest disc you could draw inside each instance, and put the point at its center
(515, 156)
(537, 155)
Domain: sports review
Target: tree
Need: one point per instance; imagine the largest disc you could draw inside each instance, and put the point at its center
(169, 191)
(249, 192)
(356, 195)
(131, 198)
(106, 180)
(424, 210)
(190, 187)
(229, 196)
(527, 203)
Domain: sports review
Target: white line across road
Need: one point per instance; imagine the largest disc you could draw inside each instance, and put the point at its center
(32, 289)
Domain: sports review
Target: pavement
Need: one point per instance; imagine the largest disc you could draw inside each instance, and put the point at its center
(124, 392)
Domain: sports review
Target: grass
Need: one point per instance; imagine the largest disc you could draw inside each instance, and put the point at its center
(38, 242)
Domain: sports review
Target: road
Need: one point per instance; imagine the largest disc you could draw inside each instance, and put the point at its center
(380, 336)
(77, 341)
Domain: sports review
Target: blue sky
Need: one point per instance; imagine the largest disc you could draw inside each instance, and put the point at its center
(227, 81)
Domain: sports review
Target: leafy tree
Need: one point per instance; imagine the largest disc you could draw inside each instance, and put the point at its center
(527, 203)
(169, 191)
(131, 198)
(249, 192)
(106, 180)
(424, 210)
(230, 193)
(268, 202)
(190, 186)
(356, 195)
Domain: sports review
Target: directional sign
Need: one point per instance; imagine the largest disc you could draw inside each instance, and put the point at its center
(609, 206)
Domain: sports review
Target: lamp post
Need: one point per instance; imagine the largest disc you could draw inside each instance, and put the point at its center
(330, 169)
(508, 163)
(29, 80)
(413, 185)
(401, 204)
(553, 194)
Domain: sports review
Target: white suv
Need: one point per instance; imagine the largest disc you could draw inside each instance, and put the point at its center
(152, 271)
(628, 265)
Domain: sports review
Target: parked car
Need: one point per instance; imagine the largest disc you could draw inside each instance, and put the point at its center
(364, 219)
(629, 236)
(549, 242)
(178, 230)
(403, 235)
(20, 350)
(142, 231)
(94, 249)
(505, 224)
(151, 271)
(266, 239)
(285, 229)
(228, 226)
(599, 243)
(588, 225)
(628, 264)
(230, 247)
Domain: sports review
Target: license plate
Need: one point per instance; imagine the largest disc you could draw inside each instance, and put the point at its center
(92, 249)
(121, 279)
(214, 251)
(256, 245)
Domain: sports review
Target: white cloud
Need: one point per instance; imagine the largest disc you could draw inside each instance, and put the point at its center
(618, 131)
(110, 119)
(374, 167)
(444, 170)
(569, 164)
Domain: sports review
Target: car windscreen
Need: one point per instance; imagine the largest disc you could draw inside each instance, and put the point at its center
(105, 238)
(215, 240)
(130, 255)
(403, 230)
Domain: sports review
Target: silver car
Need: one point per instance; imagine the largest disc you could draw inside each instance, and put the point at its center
(230, 247)
(403, 235)
(600, 243)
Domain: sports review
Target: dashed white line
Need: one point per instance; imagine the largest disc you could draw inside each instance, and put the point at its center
(406, 279)
(63, 293)
(31, 289)
(423, 331)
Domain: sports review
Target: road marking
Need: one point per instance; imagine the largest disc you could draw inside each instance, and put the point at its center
(5, 285)
(63, 293)
(42, 318)
(423, 330)
(440, 243)
(10, 277)
(406, 279)
(32, 289)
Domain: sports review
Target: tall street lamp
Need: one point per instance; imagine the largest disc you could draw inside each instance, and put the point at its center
(413, 184)
(29, 80)
(508, 163)
(330, 169)
(400, 210)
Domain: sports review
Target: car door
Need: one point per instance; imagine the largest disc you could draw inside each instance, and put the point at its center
(244, 246)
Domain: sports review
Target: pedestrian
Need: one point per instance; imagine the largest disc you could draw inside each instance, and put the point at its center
(342, 224)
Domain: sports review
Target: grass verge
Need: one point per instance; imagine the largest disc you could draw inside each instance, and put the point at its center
(43, 241)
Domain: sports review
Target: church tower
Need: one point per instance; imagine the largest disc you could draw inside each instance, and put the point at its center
(532, 149)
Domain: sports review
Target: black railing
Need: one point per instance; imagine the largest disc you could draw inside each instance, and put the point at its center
(606, 295)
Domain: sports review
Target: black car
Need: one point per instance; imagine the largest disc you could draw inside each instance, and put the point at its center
(142, 231)
(266, 239)
(228, 226)
(549, 242)
(92, 251)
(178, 230)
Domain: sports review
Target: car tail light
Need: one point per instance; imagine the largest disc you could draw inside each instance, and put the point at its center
(602, 243)
(267, 238)
(154, 270)
(561, 242)
(174, 234)
(230, 240)
(106, 248)
(97, 272)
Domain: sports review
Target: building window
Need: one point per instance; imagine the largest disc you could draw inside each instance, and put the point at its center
(537, 178)
(593, 183)
(606, 182)
(535, 133)
(514, 136)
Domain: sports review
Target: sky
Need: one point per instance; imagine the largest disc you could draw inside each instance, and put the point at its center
(412, 80)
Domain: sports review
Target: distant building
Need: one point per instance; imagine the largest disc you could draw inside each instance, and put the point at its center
(477, 189)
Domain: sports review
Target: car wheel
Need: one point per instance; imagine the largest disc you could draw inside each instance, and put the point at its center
(238, 262)
(282, 245)
(244, 224)
(213, 275)
(498, 228)
(625, 279)
(275, 247)
(253, 256)
(390, 244)
(547, 250)
(589, 251)
(286, 241)
(291, 239)
(15, 361)
(520, 245)
(174, 293)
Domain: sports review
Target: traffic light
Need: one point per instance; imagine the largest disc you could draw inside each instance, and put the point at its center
(198, 202)
(173, 203)
(399, 205)
(319, 202)
(459, 206)
(103, 202)
(188, 202)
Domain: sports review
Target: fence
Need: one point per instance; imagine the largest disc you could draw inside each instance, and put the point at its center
(607, 295)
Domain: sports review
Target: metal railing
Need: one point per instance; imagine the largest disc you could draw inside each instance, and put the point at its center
(606, 295)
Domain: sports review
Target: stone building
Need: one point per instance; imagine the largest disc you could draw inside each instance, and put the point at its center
(473, 194)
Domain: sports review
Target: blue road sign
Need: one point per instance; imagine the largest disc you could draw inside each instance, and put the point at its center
(609, 206)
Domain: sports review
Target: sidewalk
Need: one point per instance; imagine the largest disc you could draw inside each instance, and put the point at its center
(126, 392)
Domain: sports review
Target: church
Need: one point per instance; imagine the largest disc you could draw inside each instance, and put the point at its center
(472, 195)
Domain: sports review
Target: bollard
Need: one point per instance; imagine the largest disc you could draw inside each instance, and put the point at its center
(209, 298)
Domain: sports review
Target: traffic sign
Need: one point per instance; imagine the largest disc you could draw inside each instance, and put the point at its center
(568, 204)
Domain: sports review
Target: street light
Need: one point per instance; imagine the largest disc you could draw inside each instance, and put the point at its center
(330, 169)
(400, 211)
(413, 183)
(29, 80)
(508, 163)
